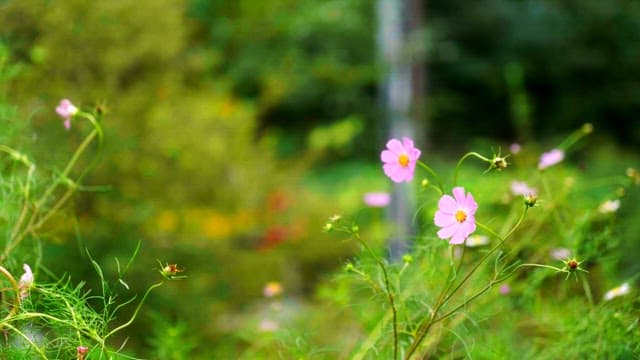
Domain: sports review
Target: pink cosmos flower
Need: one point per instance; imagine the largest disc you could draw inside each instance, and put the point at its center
(400, 159)
(515, 148)
(66, 110)
(550, 158)
(377, 199)
(456, 216)
(521, 188)
(505, 289)
(26, 281)
(560, 253)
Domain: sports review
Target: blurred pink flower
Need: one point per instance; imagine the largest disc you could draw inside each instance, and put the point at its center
(550, 158)
(455, 216)
(560, 253)
(268, 325)
(521, 188)
(515, 148)
(505, 289)
(377, 199)
(400, 159)
(66, 110)
(26, 281)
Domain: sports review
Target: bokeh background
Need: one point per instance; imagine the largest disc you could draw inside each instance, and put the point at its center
(234, 129)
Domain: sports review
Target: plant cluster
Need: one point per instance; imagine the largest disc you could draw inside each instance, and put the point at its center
(59, 319)
(433, 291)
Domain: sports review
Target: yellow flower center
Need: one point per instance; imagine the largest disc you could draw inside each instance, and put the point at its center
(461, 216)
(403, 160)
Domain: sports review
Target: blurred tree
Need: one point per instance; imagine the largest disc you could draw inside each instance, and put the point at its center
(578, 60)
(304, 62)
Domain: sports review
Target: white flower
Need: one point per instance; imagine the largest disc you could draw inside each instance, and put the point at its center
(477, 240)
(26, 281)
(617, 291)
(609, 206)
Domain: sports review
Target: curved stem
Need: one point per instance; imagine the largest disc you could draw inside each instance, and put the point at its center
(424, 328)
(67, 169)
(34, 221)
(491, 284)
(462, 159)
(432, 173)
(389, 292)
(16, 289)
(135, 313)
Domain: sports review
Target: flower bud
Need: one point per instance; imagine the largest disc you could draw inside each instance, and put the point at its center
(499, 162)
(587, 128)
(530, 200)
(349, 267)
(82, 351)
(170, 271)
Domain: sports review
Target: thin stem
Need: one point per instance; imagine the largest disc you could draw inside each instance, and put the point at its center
(486, 256)
(135, 313)
(491, 284)
(27, 339)
(67, 169)
(389, 294)
(34, 223)
(16, 289)
(424, 328)
(25, 205)
(433, 173)
(462, 159)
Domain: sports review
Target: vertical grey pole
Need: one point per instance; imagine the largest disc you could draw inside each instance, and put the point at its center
(396, 20)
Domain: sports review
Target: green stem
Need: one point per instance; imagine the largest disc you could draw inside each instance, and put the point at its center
(490, 285)
(135, 313)
(67, 169)
(462, 159)
(432, 173)
(389, 294)
(424, 328)
(16, 289)
(17, 236)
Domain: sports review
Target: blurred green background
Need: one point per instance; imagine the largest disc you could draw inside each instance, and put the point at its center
(234, 129)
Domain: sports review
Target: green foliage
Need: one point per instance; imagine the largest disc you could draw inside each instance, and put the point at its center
(575, 67)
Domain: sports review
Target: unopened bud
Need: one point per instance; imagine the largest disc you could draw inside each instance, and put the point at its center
(499, 163)
(530, 200)
(424, 183)
(587, 128)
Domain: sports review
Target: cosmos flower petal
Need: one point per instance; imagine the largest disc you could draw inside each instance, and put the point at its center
(454, 227)
(471, 204)
(395, 146)
(458, 194)
(447, 205)
(458, 237)
(443, 220)
(447, 232)
(388, 156)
